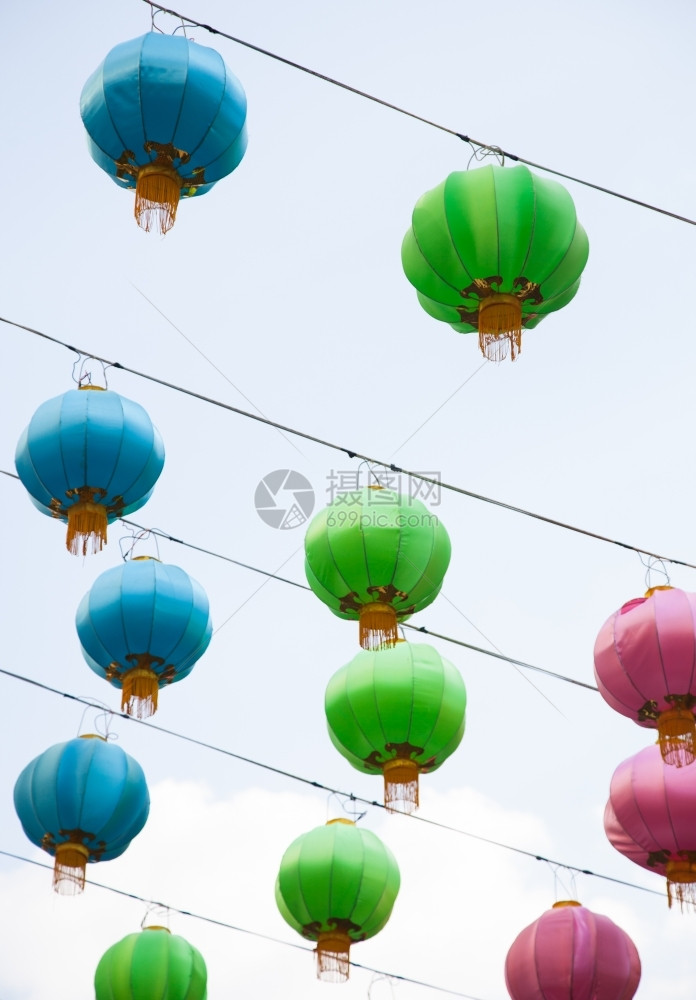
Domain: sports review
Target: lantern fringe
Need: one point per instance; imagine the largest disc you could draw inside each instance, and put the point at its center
(139, 692)
(157, 191)
(86, 522)
(677, 735)
(681, 881)
(69, 868)
(333, 957)
(500, 327)
(401, 785)
(378, 625)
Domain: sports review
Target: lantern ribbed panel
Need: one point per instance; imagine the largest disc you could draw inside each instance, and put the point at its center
(91, 438)
(376, 539)
(337, 872)
(144, 607)
(167, 90)
(651, 809)
(570, 953)
(84, 784)
(405, 695)
(151, 965)
(494, 221)
(646, 651)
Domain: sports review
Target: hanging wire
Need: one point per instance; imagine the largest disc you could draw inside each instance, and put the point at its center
(481, 153)
(244, 930)
(653, 564)
(162, 912)
(135, 537)
(348, 803)
(370, 803)
(84, 376)
(104, 717)
(412, 473)
(381, 978)
(571, 891)
(371, 474)
(425, 121)
(156, 11)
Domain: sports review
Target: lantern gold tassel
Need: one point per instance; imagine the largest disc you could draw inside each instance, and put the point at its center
(333, 956)
(500, 326)
(677, 735)
(139, 693)
(69, 868)
(86, 521)
(378, 625)
(157, 191)
(401, 785)
(681, 881)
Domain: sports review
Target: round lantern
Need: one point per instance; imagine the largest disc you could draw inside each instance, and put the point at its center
(376, 556)
(571, 953)
(495, 250)
(337, 885)
(650, 818)
(89, 457)
(398, 711)
(143, 625)
(167, 117)
(81, 801)
(153, 964)
(645, 665)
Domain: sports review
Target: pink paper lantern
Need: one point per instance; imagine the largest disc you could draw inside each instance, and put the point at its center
(571, 953)
(645, 665)
(650, 818)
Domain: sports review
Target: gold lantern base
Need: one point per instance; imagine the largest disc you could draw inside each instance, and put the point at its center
(677, 736)
(378, 625)
(87, 523)
(333, 956)
(500, 326)
(69, 868)
(681, 881)
(139, 692)
(401, 785)
(157, 192)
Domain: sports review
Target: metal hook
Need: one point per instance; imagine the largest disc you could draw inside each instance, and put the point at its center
(570, 892)
(379, 977)
(158, 908)
(344, 800)
(370, 472)
(84, 376)
(134, 537)
(653, 565)
(107, 714)
(480, 153)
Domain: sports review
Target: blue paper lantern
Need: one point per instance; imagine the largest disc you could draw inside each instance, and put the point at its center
(81, 801)
(143, 625)
(167, 117)
(88, 458)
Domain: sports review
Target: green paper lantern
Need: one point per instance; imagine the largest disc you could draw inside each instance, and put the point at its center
(495, 250)
(376, 556)
(337, 885)
(151, 965)
(400, 712)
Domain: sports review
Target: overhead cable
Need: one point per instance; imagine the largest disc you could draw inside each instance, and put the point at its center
(477, 144)
(241, 930)
(419, 476)
(349, 796)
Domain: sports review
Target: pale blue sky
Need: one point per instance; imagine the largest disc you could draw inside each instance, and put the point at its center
(288, 277)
